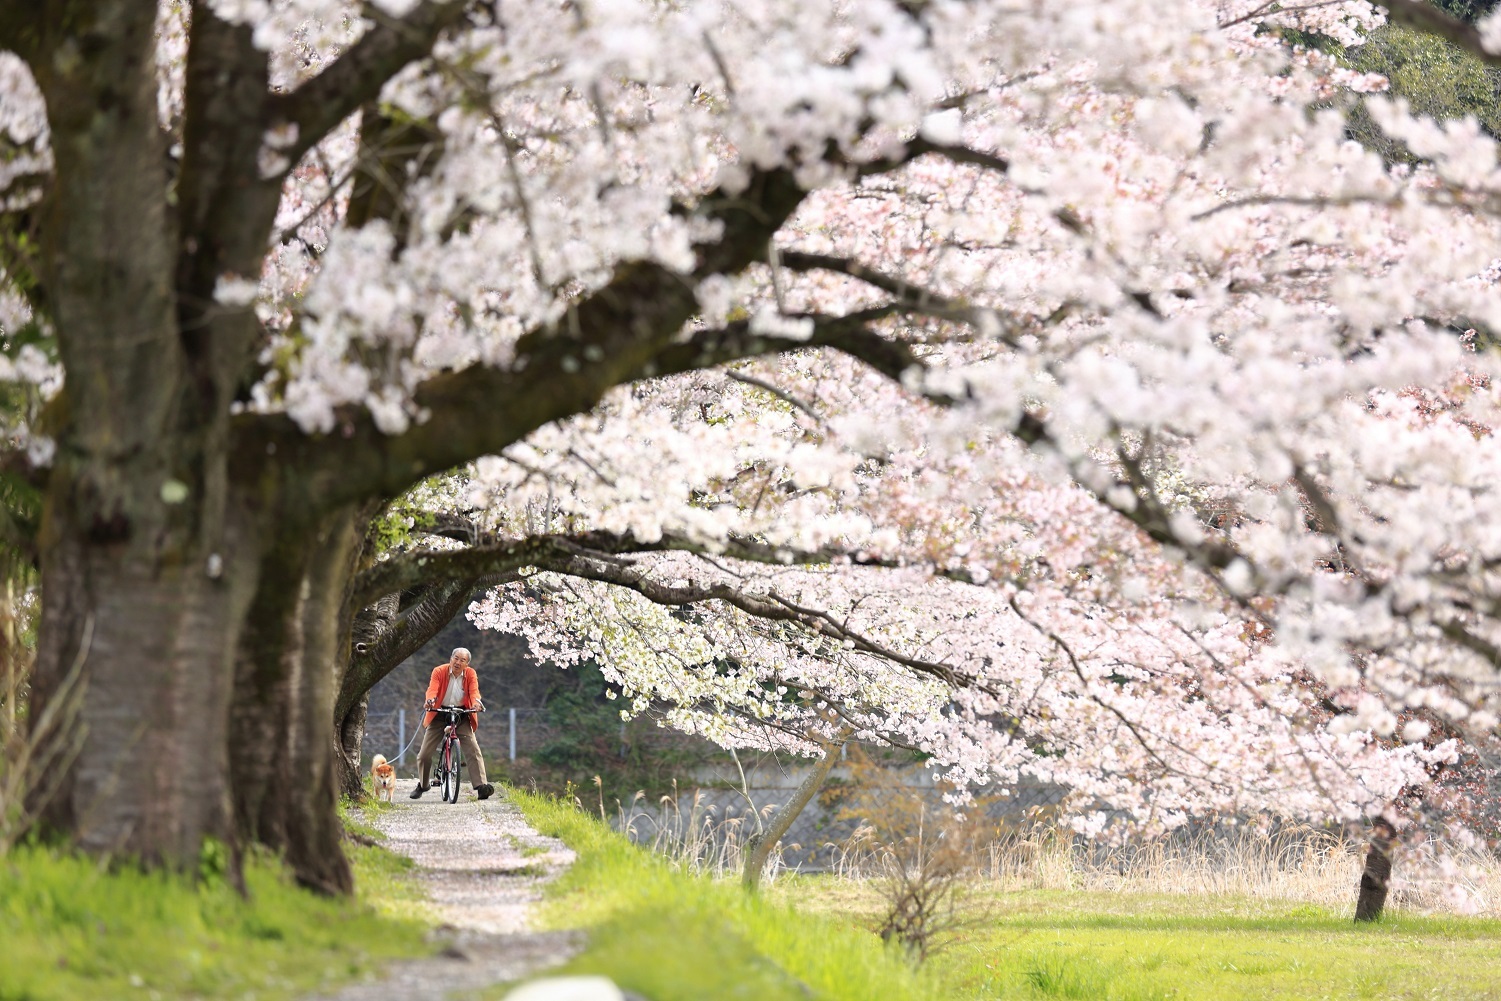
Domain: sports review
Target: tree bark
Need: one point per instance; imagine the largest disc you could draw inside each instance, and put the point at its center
(150, 779)
(148, 561)
(349, 717)
(350, 734)
(1376, 877)
(282, 751)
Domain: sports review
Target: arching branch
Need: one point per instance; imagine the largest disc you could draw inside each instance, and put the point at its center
(21, 28)
(770, 607)
(626, 331)
(850, 334)
(400, 638)
(506, 556)
(911, 297)
(612, 338)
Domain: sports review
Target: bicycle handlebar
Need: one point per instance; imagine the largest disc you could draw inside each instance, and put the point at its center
(451, 709)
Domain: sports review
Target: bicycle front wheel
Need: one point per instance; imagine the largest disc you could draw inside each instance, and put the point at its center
(455, 762)
(446, 773)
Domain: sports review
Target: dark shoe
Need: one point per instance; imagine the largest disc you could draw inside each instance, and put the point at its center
(484, 791)
(417, 792)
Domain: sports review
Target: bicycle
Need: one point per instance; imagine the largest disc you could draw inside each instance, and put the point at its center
(451, 754)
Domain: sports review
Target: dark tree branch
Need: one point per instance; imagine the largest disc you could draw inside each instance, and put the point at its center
(851, 335)
(21, 28)
(358, 75)
(914, 298)
(225, 209)
(435, 566)
(459, 527)
(399, 638)
(611, 338)
(922, 147)
(781, 394)
(1469, 640)
(624, 332)
(503, 556)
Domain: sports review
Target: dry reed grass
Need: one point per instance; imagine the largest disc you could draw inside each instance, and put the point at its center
(1287, 863)
(32, 752)
(700, 840)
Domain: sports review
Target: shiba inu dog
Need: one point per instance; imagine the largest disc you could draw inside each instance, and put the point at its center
(382, 777)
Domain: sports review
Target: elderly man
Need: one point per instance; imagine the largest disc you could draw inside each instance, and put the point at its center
(453, 685)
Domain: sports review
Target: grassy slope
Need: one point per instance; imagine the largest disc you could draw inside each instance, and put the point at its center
(1135, 947)
(671, 936)
(69, 930)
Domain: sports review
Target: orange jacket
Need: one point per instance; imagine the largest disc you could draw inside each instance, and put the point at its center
(438, 685)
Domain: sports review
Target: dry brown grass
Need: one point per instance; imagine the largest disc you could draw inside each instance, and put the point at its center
(31, 751)
(698, 840)
(1275, 863)
(1290, 863)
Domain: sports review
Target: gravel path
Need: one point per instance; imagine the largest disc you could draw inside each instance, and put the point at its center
(483, 868)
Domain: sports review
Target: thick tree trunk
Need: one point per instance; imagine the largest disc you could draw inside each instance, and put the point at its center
(149, 560)
(201, 582)
(1377, 875)
(349, 720)
(265, 685)
(283, 757)
(350, 733)
(150, 775)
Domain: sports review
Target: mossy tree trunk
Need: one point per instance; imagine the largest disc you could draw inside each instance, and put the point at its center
(149, 554)
(283, 770)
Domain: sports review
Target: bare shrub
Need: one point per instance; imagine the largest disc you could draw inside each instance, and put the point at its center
(928, 884)
(921, 854)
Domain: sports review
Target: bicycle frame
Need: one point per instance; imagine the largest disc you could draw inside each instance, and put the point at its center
(450, 754)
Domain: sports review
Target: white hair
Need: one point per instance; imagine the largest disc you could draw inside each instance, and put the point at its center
(460, 650)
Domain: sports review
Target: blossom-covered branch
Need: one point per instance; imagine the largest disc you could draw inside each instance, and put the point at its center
(766, 606)
(357, 76)
(487, 557)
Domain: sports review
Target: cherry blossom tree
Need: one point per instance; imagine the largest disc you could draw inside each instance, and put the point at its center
(1054, 388)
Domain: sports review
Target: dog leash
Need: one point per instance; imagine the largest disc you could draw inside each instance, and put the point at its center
(402, 753)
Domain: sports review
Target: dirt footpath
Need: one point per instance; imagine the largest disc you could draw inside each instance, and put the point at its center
(483, 869)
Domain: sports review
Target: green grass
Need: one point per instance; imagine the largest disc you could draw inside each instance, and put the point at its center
(1136, 947)
(71, 930)
(670, 936)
